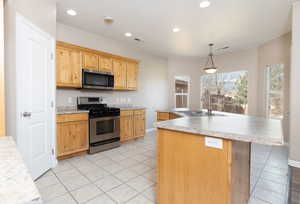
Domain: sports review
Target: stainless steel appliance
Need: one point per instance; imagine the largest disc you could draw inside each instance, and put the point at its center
(97, 80)
(104, 124)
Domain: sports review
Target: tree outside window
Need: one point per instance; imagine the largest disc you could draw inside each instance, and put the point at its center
(275, 86)
(182, 91)
(228, 91)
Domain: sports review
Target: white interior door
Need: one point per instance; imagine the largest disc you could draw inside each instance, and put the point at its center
(35, 96)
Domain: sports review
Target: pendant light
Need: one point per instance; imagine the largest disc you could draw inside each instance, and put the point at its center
(210, 67)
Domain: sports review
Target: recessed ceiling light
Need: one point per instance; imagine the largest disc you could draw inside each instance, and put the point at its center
(204, 4)
(71, 12)
(108, 20)
(176, 30)
(128, 34)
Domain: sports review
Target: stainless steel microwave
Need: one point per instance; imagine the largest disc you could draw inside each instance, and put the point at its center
(97, 80)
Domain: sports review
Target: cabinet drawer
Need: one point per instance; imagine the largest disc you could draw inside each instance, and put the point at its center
(163, 116)
(126, 113)
(71, 117)
(139, 112)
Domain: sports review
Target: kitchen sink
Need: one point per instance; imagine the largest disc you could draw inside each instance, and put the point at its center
(198, 113)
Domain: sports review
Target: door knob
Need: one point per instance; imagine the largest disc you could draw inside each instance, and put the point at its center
(26, 114)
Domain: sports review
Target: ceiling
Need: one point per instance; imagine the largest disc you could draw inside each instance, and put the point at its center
(237, 23)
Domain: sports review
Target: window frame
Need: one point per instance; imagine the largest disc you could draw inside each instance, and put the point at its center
(226, 72)
(188, 79)
(269, 92)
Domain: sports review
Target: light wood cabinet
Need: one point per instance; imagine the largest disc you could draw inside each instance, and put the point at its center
(119, 69)
(139, 123)
(132, 76)
(72, 134)
(71, 59)
(105, 64)
(90, 61)
(162, 116)
(68, 67)
(127, 125)
(132, 124)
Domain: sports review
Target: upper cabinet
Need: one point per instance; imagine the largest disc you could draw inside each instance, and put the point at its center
(120, 72)
(90, 61)
(105, 64)
(71, 59)
(68, 67)
(132, 75)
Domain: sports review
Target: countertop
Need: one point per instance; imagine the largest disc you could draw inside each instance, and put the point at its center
(129, 107)
(16, 184)
(74, 110)
(230, 126)
(69, 110)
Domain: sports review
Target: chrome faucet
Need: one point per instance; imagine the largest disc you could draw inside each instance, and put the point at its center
(207, 97)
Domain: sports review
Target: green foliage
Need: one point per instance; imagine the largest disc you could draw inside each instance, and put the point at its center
(242, 91)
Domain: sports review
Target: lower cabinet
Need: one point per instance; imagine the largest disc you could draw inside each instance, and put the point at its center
(133, 124)
(72, 135)
(162, 116)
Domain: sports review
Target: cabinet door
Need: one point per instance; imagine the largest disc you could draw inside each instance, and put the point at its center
(68, 67)
(90, 61)
(139, 125)
(105, 64)
(126, 129)
(132, 75)
(72, 137)
(119, 68)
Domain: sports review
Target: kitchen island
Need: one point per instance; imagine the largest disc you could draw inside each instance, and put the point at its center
(207, 159)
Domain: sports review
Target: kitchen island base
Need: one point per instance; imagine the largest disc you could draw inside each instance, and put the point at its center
(192, 172)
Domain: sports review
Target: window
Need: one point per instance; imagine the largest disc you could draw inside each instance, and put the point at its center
(228, 92)
(275, 84)
(182, 85)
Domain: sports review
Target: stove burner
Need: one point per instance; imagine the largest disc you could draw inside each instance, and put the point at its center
(99, 110)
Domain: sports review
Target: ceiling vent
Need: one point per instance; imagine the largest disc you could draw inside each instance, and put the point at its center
(138, 40)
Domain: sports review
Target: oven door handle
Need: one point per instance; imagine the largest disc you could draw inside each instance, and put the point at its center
(105, 118)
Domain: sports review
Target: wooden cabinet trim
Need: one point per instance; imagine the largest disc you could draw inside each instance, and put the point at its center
(72, 134)
(62, 118)
(90, 61)
(139, 112)
(97, 52)
(126, 113)
(163, 116)
(68, 67)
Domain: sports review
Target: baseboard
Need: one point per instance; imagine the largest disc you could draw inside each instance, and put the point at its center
(294, 163)
(150, 130)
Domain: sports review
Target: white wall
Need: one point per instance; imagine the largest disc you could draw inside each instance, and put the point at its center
(230, 62)
(42, 13)
(153, 77)
(294, 89)
(277, 51)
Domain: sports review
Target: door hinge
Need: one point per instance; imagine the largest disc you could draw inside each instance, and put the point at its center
(52, 151)
(52, 104)
(52, 56)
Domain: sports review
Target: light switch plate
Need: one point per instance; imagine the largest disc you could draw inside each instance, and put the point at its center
(214, 142)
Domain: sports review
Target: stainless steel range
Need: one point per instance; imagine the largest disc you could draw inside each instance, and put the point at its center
(104, 124)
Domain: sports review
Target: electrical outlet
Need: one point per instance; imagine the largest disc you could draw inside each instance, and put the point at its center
(70, 100)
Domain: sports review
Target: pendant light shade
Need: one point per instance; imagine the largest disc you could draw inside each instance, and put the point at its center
(210, 67)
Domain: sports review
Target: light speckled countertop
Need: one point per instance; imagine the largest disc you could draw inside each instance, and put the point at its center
(74, 110)
(16, 184)
(128, 107)
(68, 110)
(230, 126)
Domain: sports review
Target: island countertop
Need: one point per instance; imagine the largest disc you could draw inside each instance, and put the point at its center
(16, 184)
(233, 127)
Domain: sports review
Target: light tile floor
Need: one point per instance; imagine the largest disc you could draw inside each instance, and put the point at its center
(128, 175)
